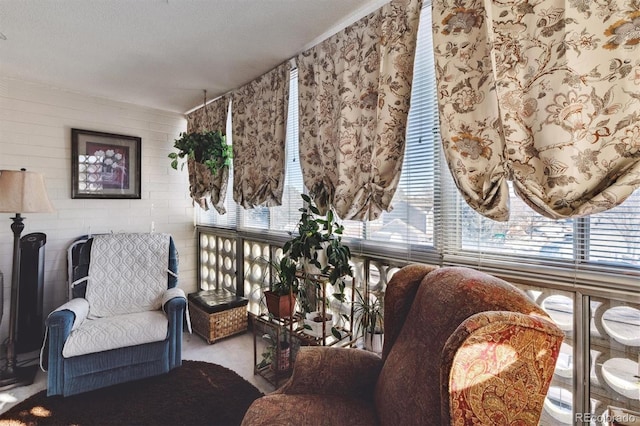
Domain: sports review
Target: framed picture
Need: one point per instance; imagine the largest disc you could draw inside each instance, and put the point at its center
(105, 165)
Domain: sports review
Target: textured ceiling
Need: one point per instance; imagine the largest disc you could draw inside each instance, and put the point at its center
(162, 53)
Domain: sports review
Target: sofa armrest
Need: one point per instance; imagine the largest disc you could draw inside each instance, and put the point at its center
(174, 304)
(333, 371)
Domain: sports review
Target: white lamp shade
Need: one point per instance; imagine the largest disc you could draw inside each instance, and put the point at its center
(23, 192)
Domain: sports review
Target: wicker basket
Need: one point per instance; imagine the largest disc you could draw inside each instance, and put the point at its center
(217, 314)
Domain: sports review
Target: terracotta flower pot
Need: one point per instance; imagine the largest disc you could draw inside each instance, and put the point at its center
(280, 306)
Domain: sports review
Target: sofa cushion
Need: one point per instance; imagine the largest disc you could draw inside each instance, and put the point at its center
(127, 273)
(103, 334)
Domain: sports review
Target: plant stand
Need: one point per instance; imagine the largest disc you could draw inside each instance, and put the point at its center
(317, 329)
(279, 369)
(320, 333)
(291, 329)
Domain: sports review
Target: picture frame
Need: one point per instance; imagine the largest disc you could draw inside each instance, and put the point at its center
(105, 165)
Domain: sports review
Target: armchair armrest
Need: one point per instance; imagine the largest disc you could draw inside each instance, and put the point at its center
(68, 316)
(517, 352)
(333, 371)
(173, 299)
(174, 304)
(59, 324)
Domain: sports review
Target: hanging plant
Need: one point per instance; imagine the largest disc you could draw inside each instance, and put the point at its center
(208, 148)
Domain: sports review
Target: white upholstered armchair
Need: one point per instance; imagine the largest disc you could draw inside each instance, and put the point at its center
(125, 319)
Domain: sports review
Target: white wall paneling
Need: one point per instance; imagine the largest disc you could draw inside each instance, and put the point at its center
(35, 133)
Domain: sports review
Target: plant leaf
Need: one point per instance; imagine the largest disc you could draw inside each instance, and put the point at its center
(336, 333)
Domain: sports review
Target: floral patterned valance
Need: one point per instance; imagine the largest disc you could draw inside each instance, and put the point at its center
(543, 93)
(354, 92)
(259, 130)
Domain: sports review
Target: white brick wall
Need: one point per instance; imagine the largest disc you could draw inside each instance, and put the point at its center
(35, 133)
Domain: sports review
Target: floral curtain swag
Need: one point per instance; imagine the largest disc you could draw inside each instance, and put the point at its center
(207, 189)
(354, 93)
(543, 93)
(259, 130)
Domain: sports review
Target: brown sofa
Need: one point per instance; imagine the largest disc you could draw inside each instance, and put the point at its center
(461, 347)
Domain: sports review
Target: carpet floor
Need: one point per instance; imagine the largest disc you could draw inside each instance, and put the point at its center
(197, 393)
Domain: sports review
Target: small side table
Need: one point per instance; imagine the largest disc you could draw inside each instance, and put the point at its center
(216, 314)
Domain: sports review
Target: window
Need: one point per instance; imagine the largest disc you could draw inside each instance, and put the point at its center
(412, 219)
(608, 242)
(429, 215)
(614, 235)
(525, 234)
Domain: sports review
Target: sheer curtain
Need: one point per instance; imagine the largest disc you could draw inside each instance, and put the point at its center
(354, 93)
(544, 93)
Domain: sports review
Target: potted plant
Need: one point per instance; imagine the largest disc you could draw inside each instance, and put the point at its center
(276, 354)
(317, 325)
(208, 148)
(307, 241)
(208, 158)
(368, 317)
(281, 297)
(318, 238)
(316, 246)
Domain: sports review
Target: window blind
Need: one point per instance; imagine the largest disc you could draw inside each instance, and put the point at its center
(601, 249)
(411, 222)
(614, 236)
(285, 217)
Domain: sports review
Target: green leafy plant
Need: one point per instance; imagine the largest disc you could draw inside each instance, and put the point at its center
(316, 233)
(308, 238)
(338, 256)
(209, 148)
(284, 279)
(368, 314)
(273, 348)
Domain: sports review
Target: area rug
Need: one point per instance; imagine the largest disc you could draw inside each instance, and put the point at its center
(197, 393)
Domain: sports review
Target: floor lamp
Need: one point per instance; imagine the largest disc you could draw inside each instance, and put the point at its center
(20, 192)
